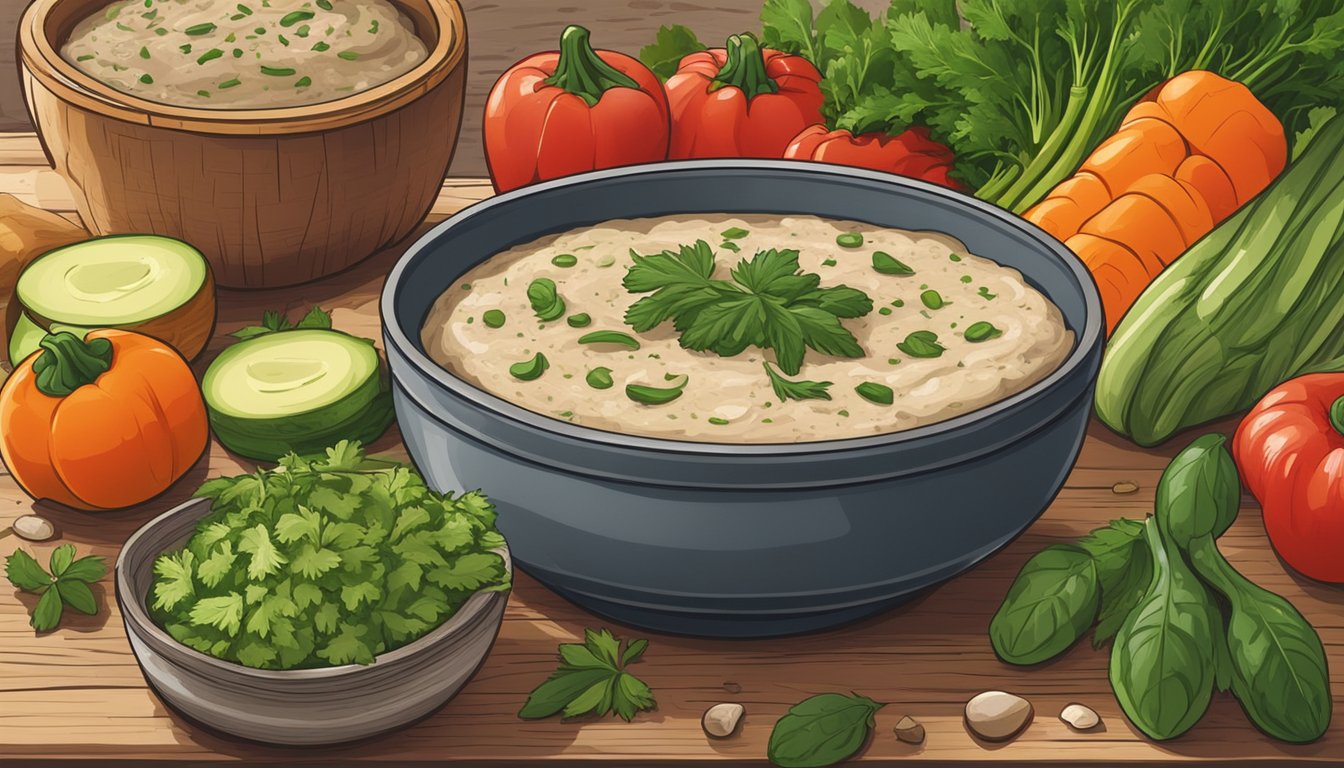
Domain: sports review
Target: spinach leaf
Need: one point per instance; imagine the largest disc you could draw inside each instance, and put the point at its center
(1277, 664)
(1162, 662)
(1123, 572)
(1199, 493)
(822, 730)
(1049, 606)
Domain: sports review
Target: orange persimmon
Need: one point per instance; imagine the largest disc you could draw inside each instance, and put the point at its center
(102, 422)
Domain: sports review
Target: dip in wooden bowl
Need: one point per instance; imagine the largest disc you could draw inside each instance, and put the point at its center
(280, 177)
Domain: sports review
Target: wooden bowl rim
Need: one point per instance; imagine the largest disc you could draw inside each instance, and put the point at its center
(40, 57)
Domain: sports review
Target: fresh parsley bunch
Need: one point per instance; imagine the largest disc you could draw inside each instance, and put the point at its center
(273, 321)
(769, 303)
(67, 584)
(324, 562)
(592, 678)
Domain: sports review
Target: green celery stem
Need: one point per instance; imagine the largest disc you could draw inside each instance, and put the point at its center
(67, 363)
(745, 68)
(1337, 415)
(582, 72)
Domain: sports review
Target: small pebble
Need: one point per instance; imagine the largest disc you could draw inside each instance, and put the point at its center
(1124, 488)
(721, 720)
(910, 731)
(731, 687)
(34, 528)
(1080, 717)
(997, 716)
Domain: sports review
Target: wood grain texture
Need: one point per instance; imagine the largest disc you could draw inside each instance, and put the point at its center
(77, 695)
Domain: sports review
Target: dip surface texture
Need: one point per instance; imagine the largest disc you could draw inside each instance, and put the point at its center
(485, 324)
(244, 55)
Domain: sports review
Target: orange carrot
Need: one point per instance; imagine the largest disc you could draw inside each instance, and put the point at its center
(1183, 159)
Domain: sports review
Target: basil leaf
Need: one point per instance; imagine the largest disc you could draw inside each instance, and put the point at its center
(821, 730)
(1124, 569)
(1162, 662)
(921, 344)
(1052, 602)
(1276, 660)
(1199, 493)
(560, 689)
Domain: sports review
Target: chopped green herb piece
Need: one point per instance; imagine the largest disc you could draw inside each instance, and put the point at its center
(734, 233)
(185, 48)
(144, 52)
(893, 361)
(767, 421)
(160, 31)
(984, 293)
(898, 302)
(565, 260)
(546, 301)
(146, 79)
(829, 263)
(796, 390)
(932, 299)
(349, 55)
(884, 311)
(303, 82)
(655, 395)
(843, 413)
(210, 55)
(231, 38)
(290, 19)
(921, 344)
(566, 414)
(259, 30)
(320, 47)
(203, 94)
(243, 9)
(493, 318)
(849, 240)
(324, 5)
(237, 53)
(953, 257)
(85, 57)
(283, 40)
(230, 83)
(734, 247)
(581, 320)
(886, 264)
(981, 331)
(277, 71)
(610, 337)
(599, 378)
(112, 12)
(373, 28)
(716, 421)
(966, 278)
(151, 15)
(302, 31)
(530, 370)
(876, 393)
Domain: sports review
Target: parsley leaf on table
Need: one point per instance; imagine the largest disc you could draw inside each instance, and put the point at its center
(592, 678)
(770, 303)
(67, 584)
(273, 321)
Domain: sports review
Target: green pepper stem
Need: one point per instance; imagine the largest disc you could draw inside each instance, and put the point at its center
(1337, 415)
(68, 362)
(582, 72)
(745, 68)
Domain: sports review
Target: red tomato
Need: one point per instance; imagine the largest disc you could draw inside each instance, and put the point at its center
(741, 101)
(911, 153)
(563, 112)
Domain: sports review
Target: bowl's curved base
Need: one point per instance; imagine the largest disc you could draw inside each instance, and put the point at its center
(724, 626)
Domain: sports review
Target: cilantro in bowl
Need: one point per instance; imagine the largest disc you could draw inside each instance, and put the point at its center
(324, 562)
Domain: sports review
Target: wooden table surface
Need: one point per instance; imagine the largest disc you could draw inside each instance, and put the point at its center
(76, 695)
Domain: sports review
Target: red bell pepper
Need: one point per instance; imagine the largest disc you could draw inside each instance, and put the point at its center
(912, 153)
(741, 101)
(1290, 452)
(563, 112)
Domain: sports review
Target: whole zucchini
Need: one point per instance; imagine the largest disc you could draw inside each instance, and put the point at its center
(1256, 302)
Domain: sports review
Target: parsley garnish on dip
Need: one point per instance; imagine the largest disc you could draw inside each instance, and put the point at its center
(222, 53)
(805, 329)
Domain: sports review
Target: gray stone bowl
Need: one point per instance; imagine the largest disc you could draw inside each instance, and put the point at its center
(303, 706)
(742, 540)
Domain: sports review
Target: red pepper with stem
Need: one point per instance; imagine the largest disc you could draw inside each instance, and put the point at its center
(563, 112)
(741, 101)
(911, 153)
(1290, 452)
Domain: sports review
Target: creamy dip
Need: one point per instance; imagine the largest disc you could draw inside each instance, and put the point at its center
(256, 53)
(485, 330)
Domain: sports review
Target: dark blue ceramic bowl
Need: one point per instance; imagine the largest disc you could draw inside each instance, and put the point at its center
(742, 540)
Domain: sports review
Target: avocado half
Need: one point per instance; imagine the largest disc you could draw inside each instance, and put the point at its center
(153, 285)
(296, 391)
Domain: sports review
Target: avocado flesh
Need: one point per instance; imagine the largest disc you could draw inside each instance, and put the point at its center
(112, 281)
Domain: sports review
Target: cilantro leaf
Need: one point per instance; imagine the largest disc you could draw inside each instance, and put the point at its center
(349, 646)
(591, 678)
(273, 321)
(665, 53)
(26, 573)
(173, 579)
(266, 559)
(770, 303)
(224, 612)
(315, 318)
(214, 568)
(469, 571)
(312, 561)
(786, 389)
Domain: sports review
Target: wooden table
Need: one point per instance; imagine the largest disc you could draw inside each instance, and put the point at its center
(76, 694)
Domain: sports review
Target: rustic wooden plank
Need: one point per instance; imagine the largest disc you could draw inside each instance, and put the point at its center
(76, 694)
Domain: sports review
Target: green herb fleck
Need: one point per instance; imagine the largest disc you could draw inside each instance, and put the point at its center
(203, 94)
(985, 294)
(932, 299)
(373, 28)
(277, 71)
(230, 83)
(953, 257)
(237, 53)
(796, 390)
(966, 278)
(875, 393)
(86, 57)
(210, 55)
(546, 301)
(734, 233)
(146, 79)
(828, 262)
(599, 378)
(581, 320)
(243, 9)
(530, 370)
(921, 344)
(884, 311)
(734, 247)
(321, 46)
(303, 82)
(160, 31)
(610, 337)
(981, 331)
(718, 422)
(493, 318)
(290, 19)
(324, 5)
(849, 240)
(565, 260)
(283, 40)
(885, 264)
(898, 303)
(656, 395)
(349, 55)
(185, 48)
(144, 52)
(231, 38)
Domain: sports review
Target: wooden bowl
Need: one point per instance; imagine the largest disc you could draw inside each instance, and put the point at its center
(271, 196)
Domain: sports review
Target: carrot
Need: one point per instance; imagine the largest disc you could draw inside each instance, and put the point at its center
(1182, 160)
